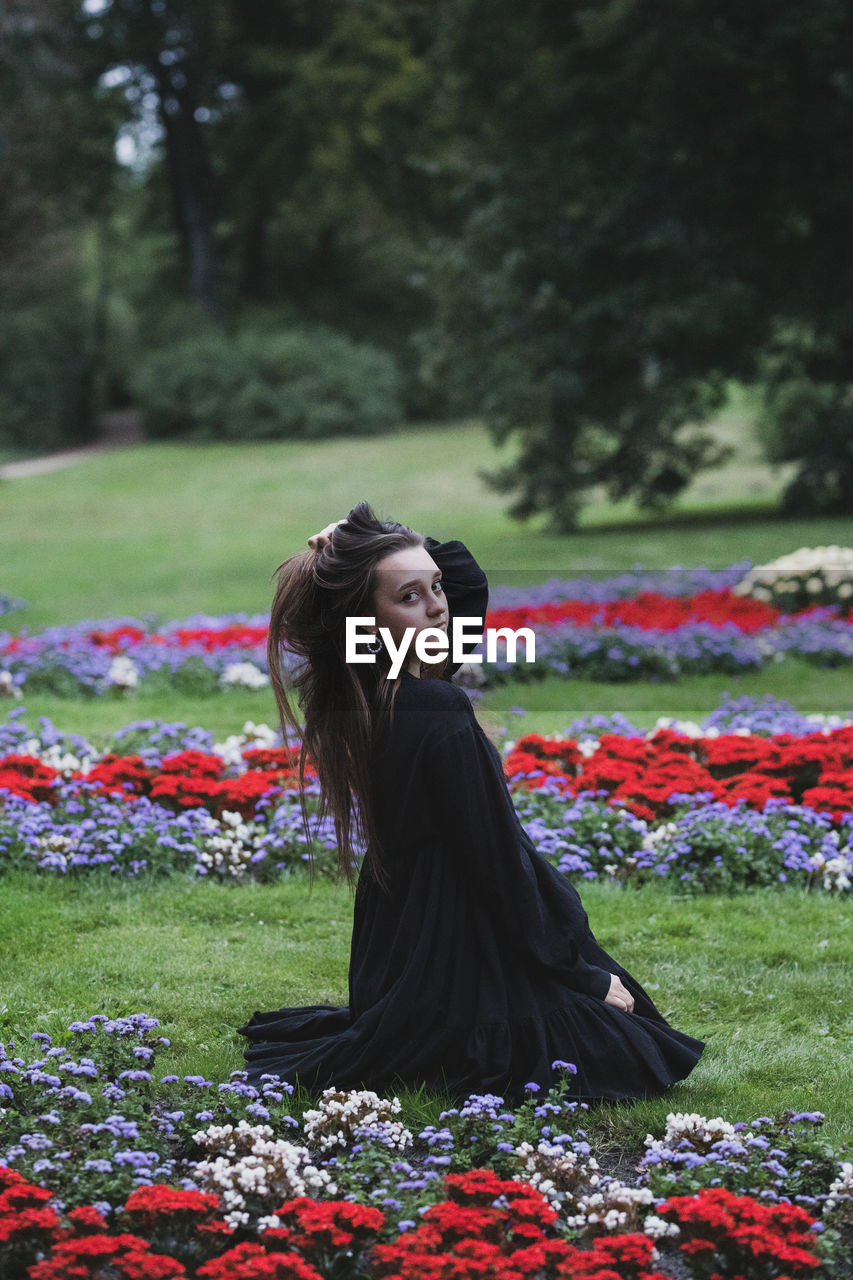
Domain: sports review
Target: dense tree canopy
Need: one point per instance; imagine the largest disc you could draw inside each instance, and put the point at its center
(654, 201)
(580, 220)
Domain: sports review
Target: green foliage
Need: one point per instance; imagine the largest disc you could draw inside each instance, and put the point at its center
(808, 416)
(192, 679)
(291, 173)
(297, 383)
(643, 198)
(54, 151)
(45, 369)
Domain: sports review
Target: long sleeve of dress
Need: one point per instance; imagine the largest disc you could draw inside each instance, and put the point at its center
(537, 915)
(465, 584)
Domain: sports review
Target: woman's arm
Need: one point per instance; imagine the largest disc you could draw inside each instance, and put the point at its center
(465, 584)
(535, 912)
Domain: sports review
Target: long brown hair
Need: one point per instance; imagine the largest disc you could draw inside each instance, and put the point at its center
(341, 702)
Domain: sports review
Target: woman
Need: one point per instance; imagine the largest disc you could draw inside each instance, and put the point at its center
(473, 967)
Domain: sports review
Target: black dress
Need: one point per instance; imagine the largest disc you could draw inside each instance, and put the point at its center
(472, 967)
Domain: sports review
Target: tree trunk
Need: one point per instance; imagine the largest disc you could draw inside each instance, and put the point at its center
(192, 195)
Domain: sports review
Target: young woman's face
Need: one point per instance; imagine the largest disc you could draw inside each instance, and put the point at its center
(408, 593)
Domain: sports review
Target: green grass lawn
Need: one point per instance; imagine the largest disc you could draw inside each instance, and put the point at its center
(172, 529)
(762, 978)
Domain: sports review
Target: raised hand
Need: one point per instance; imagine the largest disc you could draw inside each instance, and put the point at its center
(319, 540)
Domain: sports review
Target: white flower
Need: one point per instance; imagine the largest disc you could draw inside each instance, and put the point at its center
(559, 1175)
(344, 1117)
(810, 569)
(700, 1132)
(614, 1206)
(8, 688)
(252, 1171)
(658, 1229)
(123, 673)
(245, 674)
(253, 737)
(837, 872)
(229, 849)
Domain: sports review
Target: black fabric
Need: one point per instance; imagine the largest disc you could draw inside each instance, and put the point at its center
(472, 967)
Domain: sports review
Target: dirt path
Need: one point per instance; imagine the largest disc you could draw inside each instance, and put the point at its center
(117, 430)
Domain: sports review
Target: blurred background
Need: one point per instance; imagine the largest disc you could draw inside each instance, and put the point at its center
(543, 268)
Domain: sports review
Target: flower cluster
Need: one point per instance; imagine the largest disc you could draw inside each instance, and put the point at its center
(118, 656)
(488, 1226)
(642, 774)
(184, 1177)
(247, 1167)
(803, 579)
(718, 807)
(355, 1116)
(625, 627)
(728, 1235)
(721, 809)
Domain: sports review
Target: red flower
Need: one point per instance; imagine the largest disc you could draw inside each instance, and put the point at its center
(196, 763)
(96, 1257)
(27, 776)
(252, 1262)
(114, 773)
(741, 1235)
(563, 751)
(24, 1225)
(649, 611)
(837, 801)
(314, 1225)
(117, 640)
(732, 753)
(86, 1220)
(148, 1206)
(277, 759)
(211, 638)
(175, 792)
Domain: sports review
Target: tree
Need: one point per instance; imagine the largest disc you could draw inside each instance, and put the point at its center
(165, 58)
(290, 141)
(55, 160)
(648, 196)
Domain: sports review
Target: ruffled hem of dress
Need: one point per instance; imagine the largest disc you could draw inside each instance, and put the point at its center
(617, 1055)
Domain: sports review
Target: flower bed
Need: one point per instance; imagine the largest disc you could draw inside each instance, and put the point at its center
(628, 627)
(110, 1169)
(807, 577)
(717, 808)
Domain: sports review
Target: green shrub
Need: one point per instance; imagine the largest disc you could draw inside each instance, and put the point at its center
(301, 382)
(45, 398)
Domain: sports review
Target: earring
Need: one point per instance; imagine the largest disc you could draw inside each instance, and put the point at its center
(376, 647)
